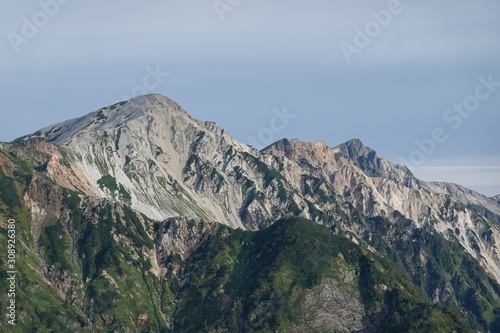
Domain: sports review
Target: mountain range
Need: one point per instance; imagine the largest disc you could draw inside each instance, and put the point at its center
(140, 218)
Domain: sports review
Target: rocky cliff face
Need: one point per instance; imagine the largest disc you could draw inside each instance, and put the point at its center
(149, 156)
(496, 198)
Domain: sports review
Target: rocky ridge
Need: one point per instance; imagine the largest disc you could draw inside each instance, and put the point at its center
(148, 155)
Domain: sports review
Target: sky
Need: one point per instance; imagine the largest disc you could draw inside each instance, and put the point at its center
(418, 81)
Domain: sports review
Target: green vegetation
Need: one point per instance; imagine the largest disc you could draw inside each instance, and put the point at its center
(97, 246)
(200, 135)
(124, 194)
(128, 159)
(42, 308)
(8, 192)
(109, 182)
(73, 204)
(158, 151)
(100, 115)
(193, 159)
(53, 241)
(117, 139)
(21, 139)
(116, 105)
(254, 281)
(446, 270)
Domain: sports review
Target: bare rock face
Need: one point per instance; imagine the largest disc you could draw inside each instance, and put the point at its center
(327, 306)
(374, 166)
(488, 207)
(497, 198)
(182, 236)
(45, 203)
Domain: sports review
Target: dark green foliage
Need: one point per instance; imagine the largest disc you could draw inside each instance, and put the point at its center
(135, 230)
(109, 182)
(242, 179)
(56, 137)
(117, 139)
(102, 300)
(200, 135)
(251, 197)
(50, 320)
(305, 164)
(158, 152)
(23, 169)
(293, 208)
(229, 152)
(8, 192)
(446, 266)
(73, 203)
(76, 249)
(128, 159)
(54, 242)
(97, 246)
(100, 115)
(9, 186)
(236, 280)
(406, 315)
(116, 105)
(193, 158)
(21, 138)
(124, 194)
(369, 277)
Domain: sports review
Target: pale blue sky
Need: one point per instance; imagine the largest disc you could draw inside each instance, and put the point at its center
(270, 55)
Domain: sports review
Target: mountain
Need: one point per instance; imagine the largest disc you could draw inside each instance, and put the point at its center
(132, 216)
(496, 198)
(150, 149)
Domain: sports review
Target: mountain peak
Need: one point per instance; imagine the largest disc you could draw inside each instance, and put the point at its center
(354, 149)
(295, 147)
(114, 116)
(296, 144)
(497, 198)
(375, 166)
(150, 101)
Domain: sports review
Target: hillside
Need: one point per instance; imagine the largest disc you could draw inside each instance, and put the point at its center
(137, 215)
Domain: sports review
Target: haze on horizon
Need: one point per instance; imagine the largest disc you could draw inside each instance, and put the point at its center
(418, 81)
